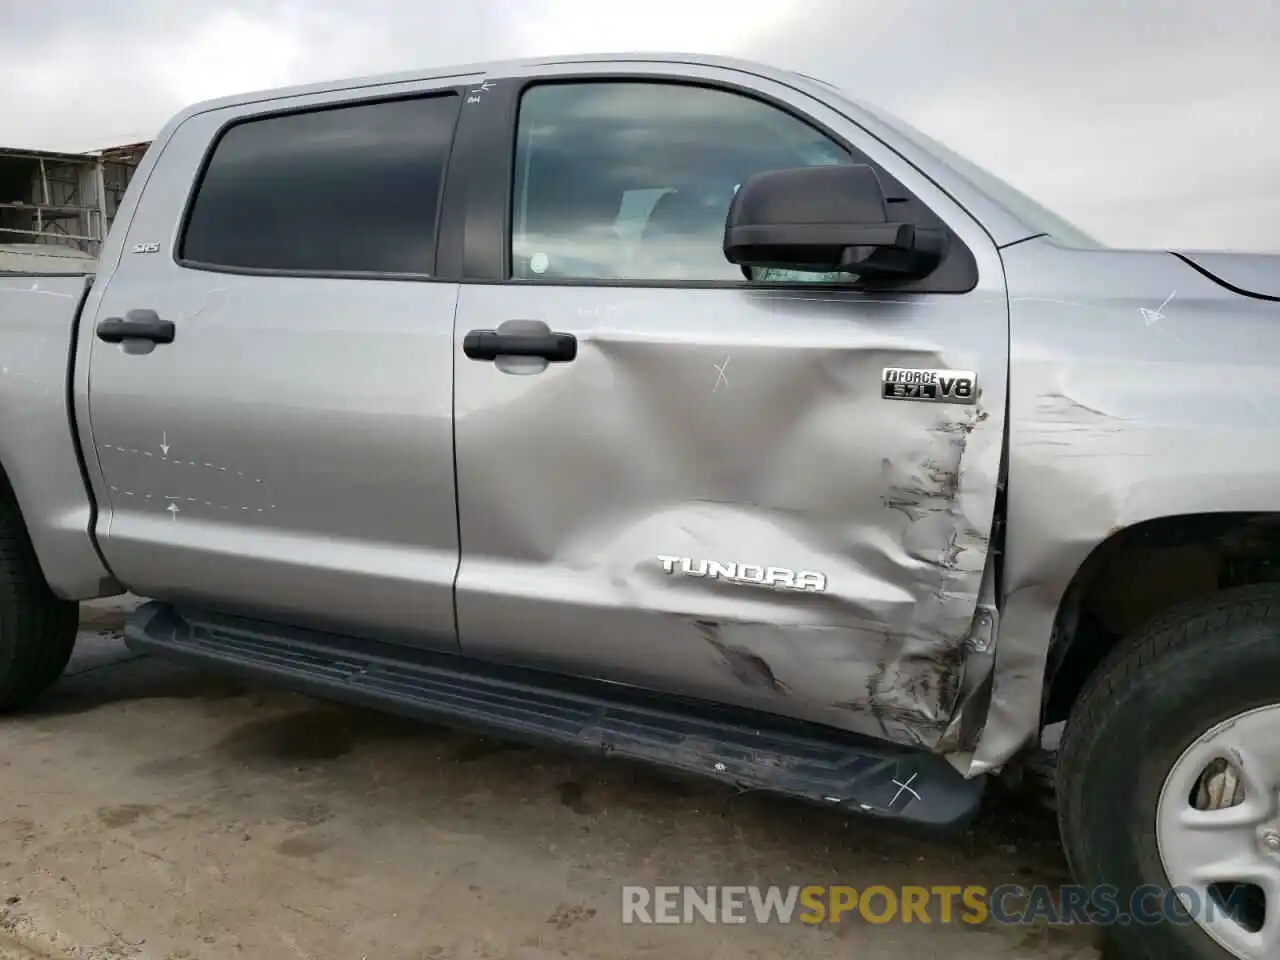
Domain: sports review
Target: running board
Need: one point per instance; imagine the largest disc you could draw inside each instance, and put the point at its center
(748, 750)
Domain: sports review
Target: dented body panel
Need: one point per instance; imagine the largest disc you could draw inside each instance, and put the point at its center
(1139, 389)
(575, 482)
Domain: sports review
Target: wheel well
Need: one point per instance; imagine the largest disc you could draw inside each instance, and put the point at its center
(9, 499)
(1138, 573)
(12, 511)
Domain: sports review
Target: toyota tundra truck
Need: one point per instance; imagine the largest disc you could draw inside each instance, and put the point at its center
(688, 411)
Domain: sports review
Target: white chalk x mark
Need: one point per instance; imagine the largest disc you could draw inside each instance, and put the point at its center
(1152, 317)
(721, 376)
(905, 788)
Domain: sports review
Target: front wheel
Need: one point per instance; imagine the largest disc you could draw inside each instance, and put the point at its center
(1169, 781)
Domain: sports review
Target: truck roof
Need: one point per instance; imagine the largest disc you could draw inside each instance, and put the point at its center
(499, 67)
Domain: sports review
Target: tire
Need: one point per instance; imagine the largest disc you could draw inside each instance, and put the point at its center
(37, 628)
(1156, 694)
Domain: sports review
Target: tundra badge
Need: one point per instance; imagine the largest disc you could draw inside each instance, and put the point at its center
(935, 386)
(780, 578)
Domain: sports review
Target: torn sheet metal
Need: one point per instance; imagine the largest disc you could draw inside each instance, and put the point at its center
(1139, 389)
(745, 434)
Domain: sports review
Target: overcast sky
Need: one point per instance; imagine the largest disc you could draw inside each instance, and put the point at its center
(1148, 123)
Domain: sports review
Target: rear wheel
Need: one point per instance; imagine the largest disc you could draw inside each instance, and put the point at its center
(1169, 781)
(37, 629)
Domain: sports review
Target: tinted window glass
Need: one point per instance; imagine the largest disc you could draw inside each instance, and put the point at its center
(633, 180)
(345, 189)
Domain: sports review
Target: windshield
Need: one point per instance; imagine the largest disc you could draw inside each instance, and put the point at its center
(1017, 202)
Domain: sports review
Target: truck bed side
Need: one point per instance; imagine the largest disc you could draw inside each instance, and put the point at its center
(39, 449)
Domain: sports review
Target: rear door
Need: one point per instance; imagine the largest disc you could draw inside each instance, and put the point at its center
(703, 484)
(289, 454)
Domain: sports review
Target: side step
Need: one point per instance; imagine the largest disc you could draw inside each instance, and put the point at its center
(749, 750)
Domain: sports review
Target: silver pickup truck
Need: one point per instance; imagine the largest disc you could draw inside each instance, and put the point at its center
(687, 411)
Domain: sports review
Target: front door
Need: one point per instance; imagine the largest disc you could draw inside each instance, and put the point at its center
(698, 482)
(289, 454)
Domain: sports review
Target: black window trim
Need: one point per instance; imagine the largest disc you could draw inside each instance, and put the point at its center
(193, 190)
(492, 127)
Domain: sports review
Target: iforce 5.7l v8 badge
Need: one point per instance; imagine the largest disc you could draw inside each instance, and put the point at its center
(934, 386)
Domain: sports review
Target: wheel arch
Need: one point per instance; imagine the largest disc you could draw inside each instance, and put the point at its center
(1140, 571)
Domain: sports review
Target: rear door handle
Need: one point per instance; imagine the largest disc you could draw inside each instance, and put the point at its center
(490, 344)
(136, 325)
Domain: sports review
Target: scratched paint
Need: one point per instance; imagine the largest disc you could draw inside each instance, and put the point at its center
(1139, 389)
(743, 428)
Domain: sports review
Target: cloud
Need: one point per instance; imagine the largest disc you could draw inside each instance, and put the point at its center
(571, 26)
(92, 78)
(1147, 122)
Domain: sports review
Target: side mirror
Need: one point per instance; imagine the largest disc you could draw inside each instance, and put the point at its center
(828, 219)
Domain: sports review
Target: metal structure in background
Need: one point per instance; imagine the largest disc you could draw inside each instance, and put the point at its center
(66, 200)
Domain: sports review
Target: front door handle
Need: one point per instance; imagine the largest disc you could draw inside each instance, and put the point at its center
(136, 325)
(491, 344)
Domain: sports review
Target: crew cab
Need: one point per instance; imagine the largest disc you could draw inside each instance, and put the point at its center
(690, 411)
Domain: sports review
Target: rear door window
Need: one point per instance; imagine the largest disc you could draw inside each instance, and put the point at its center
(351, 189)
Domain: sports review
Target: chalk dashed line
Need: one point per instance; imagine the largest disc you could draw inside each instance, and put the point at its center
(178, 461)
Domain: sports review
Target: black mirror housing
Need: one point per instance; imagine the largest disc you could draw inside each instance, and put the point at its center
(826, 218)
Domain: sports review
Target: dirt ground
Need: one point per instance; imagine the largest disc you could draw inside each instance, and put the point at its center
(151, 811)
